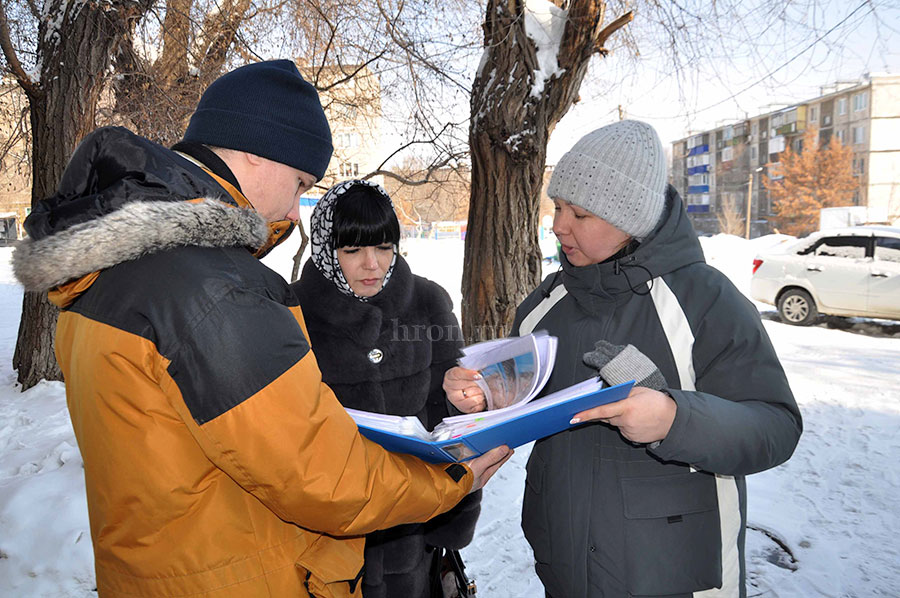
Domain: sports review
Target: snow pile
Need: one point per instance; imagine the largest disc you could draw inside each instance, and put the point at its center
(733, 256)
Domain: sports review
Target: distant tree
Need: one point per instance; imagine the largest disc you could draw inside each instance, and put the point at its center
(731, 185)
(730, 217)
(155, 92)
(801, 183)
(442, 194)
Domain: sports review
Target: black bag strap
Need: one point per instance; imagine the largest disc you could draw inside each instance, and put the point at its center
(436, 589)
(465, 586)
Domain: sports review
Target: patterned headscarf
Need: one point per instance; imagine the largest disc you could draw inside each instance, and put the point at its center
(324, 253)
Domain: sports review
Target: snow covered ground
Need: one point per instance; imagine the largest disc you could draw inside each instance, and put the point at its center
(824, 524)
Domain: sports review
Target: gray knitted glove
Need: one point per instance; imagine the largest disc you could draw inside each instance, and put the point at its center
(617, 364)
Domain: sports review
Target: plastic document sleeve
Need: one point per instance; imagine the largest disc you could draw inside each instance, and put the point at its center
(538, 419)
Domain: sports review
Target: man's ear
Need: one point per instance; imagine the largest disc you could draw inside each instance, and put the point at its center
(253, 159)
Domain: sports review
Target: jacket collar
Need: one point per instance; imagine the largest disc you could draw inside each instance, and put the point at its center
(214, 166)
(325, 306)
(208, 159)
(672, 245)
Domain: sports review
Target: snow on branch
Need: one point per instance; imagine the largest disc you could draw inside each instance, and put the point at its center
(544, 24)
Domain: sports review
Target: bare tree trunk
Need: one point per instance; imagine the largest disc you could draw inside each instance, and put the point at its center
(34, 358)
(511, 121)
(295, 270)
(74, 59)
(502, 257)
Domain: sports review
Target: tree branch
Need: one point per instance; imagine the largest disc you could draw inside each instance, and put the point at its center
(410, 144)
(348, 76)
(411, 182)
(12, 60)
(606, 32)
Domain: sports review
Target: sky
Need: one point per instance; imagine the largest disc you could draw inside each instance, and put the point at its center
(788, 58)
(832, 505)
(756, 56)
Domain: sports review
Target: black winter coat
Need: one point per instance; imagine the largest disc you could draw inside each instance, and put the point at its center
(389, 355)
(610, 518)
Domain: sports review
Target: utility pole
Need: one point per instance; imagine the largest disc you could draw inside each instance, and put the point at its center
(749, 202)
(750, 198)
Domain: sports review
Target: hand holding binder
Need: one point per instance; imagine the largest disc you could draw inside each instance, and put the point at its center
(502, 372)
(466, 436)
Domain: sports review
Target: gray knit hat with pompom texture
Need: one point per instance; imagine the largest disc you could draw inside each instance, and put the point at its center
(617, 172)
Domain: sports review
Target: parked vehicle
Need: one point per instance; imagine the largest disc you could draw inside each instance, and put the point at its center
(843, 272)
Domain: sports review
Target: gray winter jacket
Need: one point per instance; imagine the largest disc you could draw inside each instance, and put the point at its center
(609, 518)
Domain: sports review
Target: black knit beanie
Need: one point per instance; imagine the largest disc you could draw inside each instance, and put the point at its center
(266, 109)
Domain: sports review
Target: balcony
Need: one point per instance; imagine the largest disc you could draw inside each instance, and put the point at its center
(699, 149)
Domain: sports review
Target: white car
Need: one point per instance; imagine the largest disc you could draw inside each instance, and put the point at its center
(844, 272)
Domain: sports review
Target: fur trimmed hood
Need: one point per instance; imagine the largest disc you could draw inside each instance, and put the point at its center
(138, 228)
(122, 197)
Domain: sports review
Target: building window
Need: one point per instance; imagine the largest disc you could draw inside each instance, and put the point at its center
(728, 154)
(349, 169)
(346, 140)
(841, 135)
(753, 153)
(776, 145)
(861, 101)
(859, 135)
(813, 115)
(842, 106)
(859, 166)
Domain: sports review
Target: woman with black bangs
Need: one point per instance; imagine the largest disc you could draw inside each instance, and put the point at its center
(383, 338)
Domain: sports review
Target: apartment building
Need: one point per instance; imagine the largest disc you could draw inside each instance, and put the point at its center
(721, 169)
(351, 98)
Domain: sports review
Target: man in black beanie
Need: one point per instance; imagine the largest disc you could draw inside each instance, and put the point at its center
(216, 462)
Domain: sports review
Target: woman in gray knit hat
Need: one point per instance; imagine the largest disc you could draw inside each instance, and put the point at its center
(644, 497)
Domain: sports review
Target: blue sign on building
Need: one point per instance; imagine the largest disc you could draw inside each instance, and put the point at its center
(697, 208)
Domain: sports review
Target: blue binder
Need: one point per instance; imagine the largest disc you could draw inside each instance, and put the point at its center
(537, 423)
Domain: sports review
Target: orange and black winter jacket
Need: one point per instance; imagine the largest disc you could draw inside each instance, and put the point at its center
(217, 463)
